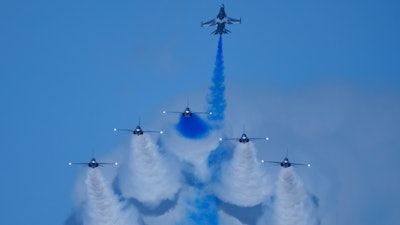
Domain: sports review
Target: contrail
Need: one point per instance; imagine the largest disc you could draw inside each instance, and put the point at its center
(293, 204)
(243, 182)
(147, 175)
(216, 97)
(103, 206)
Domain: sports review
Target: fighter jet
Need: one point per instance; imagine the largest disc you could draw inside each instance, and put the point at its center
(285, 163)
(138, 130)
(93, 163)
(220, 21)
(244, 139)
(187, 112)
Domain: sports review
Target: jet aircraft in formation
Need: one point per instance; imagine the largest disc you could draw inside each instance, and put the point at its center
(138, 130)
(187, 112)
(93, 163)
(220, 21)
(286, 163)
(244, 139)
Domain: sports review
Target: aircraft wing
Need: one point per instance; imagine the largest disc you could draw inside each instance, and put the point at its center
(71, 163)
(209, 23)
(228, 139)
(209, 113)
(265, 161)
(171, 112)
(300, 164)
(266, 138)
(108, 164)
(233, 21)
(154, 131)
(130, 130)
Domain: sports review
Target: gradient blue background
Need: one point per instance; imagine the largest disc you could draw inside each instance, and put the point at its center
(70, 71)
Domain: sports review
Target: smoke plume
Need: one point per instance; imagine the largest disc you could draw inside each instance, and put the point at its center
(192, 127)
(216, 97)
(103, 206)
(188, 177)
(147, 176)
(294, 205)
(243, 182)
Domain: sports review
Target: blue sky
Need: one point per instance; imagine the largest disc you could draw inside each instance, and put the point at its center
(318, 76)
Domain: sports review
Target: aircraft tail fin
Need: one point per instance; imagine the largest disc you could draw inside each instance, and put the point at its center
(215, 32)
(225, 31)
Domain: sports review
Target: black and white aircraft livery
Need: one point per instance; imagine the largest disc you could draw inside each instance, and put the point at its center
(243, 139)
(138, 130)
(187, 112)
(220, 21)
(93, 163)
(286, 163)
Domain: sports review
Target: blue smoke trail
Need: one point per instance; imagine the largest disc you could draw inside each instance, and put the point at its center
(215, 160)
(192, 127)
(202, 208)
(216, 98)
(206, 210)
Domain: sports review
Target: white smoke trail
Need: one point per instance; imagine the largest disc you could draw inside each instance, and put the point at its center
(103, 206)
(243, 182)
(149, 177)
(293, 204)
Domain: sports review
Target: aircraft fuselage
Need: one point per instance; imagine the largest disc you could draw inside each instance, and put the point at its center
(244, 139)
(138, 131)
(187, 112)
(93, 164)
